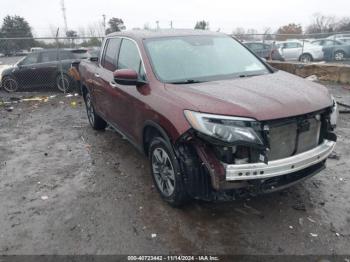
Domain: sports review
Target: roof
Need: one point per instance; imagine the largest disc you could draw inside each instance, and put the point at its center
(143, 34)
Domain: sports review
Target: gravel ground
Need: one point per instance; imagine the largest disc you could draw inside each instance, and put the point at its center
(66, 189)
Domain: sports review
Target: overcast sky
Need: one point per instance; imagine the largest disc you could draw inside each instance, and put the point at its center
(223, 14)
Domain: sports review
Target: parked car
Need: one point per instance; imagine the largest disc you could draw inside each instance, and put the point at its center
(92, 53)
(345, 39)
(215, 120)
(264, 50)
(2, 55)
(42, 69)
(299, 51)
(333, 49)
(21, 52)
(338, 36)
(260, 49)
(36, 49)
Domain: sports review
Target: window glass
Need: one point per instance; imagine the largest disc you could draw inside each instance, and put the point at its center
(110, 54)
(201, 58)
(317, 42)
(292, 45)
(256, 46)
(329, 43)
(30, 59)
(129, 57)
(48, 57)
(65, 55)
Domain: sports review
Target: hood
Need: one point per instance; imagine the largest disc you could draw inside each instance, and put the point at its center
(5, 69)
(265, 97)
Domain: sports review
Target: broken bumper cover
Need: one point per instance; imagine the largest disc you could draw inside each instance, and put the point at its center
(281, 166)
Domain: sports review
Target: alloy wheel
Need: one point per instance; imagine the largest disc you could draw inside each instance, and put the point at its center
(339, 56)
(63, 83)
(10, 85)
(163, 171)
(90, 109)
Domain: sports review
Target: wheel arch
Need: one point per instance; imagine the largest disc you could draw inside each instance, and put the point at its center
(306, 53)
(84, 89)
(150, 130)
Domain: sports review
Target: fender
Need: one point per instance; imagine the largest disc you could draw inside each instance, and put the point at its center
(161, 130)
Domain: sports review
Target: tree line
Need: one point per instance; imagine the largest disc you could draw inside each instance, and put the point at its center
(322, 25)
(13, 27)
(17, 27)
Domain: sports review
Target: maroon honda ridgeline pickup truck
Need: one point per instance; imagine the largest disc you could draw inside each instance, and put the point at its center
(215, 121)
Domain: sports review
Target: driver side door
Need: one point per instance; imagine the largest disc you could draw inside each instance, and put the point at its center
(25, 70)
(291, 50)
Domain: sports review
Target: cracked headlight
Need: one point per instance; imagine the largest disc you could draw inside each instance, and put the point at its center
(334, 114)
(233, 130)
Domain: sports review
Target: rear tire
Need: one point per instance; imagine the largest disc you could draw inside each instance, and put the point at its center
(306, 58)
(9, 84)
(166, 173)
(95, 120)
(63, 83)
(339, 56)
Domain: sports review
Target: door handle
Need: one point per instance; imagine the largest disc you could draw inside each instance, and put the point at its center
(97, 75)
(112, 84)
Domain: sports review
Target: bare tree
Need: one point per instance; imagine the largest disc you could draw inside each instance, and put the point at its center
(81, 32)
(238, 32)
(95, 30)
(146, 26)
(343, 24)
(322, 24)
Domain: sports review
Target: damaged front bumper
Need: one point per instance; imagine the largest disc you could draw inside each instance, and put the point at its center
(281, 166)
(294, 149)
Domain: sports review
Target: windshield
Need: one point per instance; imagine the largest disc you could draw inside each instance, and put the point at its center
(201, 58)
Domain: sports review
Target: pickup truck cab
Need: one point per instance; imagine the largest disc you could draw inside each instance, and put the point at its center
(215, 120)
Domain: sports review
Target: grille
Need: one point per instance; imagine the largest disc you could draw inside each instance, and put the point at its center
(284, 139)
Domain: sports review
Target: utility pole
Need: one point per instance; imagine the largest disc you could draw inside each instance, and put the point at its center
(171, 24)
(157, 22)
(104, 24)
(63, 8)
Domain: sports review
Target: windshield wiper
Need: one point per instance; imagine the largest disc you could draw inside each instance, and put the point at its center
(241, 76)
(249, 75)
(187, 81)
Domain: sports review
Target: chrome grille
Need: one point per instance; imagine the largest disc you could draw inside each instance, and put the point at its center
(283, 139)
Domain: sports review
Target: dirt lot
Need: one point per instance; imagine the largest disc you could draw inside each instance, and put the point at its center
(66, 189)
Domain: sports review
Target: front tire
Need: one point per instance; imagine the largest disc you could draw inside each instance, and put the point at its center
(166, 173)
(305, 58)
(95, 120)
(9, 84)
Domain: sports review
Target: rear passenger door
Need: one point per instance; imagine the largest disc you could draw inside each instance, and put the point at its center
(126, 99)
(47, 69)
(103, 92)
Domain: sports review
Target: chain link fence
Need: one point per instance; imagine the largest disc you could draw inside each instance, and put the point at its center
(323, 47)
(28, 64)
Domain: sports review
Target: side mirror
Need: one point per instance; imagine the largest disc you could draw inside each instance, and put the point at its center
(93, 59)
(127, 77)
